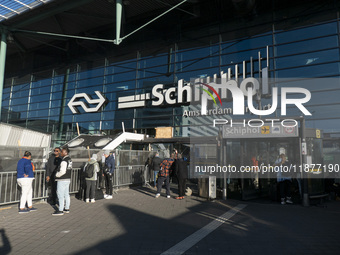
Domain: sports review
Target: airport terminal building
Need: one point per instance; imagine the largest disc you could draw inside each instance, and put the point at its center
(94, 64)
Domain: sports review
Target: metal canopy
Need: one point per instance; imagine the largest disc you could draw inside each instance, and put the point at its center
(11, 8)
(63, 31)
(99, 19)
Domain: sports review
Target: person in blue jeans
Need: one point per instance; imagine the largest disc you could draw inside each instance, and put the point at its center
(155, 167)
(63, 178)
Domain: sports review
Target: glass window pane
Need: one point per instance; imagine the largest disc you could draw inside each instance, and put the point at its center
(57, 95)
(38, 113)
(305, 46)
(307, 32)
(54, 112)
(246, 44)
(37, 106)
(121, 86)
(57, 87)
(310, 71)
(327, 125)
(197, 58)
(316, 84)
(20, 90)
(307, 59)
(19, 101)
(39, 98)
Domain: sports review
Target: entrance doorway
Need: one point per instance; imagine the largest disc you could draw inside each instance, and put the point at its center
(249, 153)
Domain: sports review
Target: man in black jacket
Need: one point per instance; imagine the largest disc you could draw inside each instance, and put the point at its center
(181, 169)
(155, 167)
(51, 168)
(110, 164)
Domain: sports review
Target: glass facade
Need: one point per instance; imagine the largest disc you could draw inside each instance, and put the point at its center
(308, 51)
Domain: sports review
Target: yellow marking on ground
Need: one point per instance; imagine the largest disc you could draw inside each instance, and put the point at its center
(5, 208)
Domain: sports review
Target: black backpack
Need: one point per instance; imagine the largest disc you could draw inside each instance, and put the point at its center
(89, 170)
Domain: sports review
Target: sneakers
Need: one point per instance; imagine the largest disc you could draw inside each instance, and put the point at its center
(283, 202)
(32, 209)
(289, 200)
(93, 201)
(158, 195)
(66, 210)
(58, 213)
(22, 211)
(108, 197)
(87, 200)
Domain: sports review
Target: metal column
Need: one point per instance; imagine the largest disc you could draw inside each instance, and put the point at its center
(119, 8)
(3, 49)
(305, 196)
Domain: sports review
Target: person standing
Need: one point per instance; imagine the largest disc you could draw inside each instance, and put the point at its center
(156, 166)
(164, 175)
(25, 177)
(63, 178)
(181, 169)
(91, 181)
(51, 168)
(110, 167)
(284, 180)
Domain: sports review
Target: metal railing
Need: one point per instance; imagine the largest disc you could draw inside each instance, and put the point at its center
(123, 176)
(128, 175)
(10, 191)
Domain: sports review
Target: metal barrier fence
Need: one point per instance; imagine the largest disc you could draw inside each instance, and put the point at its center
(128, 175)
(123, 176)
(10, 191)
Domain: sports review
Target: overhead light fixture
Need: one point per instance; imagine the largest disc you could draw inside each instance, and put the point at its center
(102, 142)
(76, 142)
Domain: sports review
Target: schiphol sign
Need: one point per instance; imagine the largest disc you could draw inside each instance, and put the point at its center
(238, 88)
(198, 91)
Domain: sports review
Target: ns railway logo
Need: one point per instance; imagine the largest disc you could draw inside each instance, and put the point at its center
(76, 102)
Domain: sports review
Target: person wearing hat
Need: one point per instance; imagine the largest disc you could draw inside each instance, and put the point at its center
(91, 181)
(110, 167)
(25, 177)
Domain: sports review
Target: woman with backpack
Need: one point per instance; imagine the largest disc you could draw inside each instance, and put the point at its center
(91, 170)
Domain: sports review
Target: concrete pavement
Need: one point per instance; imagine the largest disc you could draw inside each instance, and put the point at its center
(134, 222)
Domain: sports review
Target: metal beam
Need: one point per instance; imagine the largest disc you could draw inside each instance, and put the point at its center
(3, 50)
(117, 41)
(190, 13)
(161, 15)
(119, 9)
(62, 35)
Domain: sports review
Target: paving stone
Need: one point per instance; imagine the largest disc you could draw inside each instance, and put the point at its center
(134, 222)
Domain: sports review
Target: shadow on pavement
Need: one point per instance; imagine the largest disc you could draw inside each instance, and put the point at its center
(6, 248)
(149, 234)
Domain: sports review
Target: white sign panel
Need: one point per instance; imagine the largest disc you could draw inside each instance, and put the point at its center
(265, 131)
